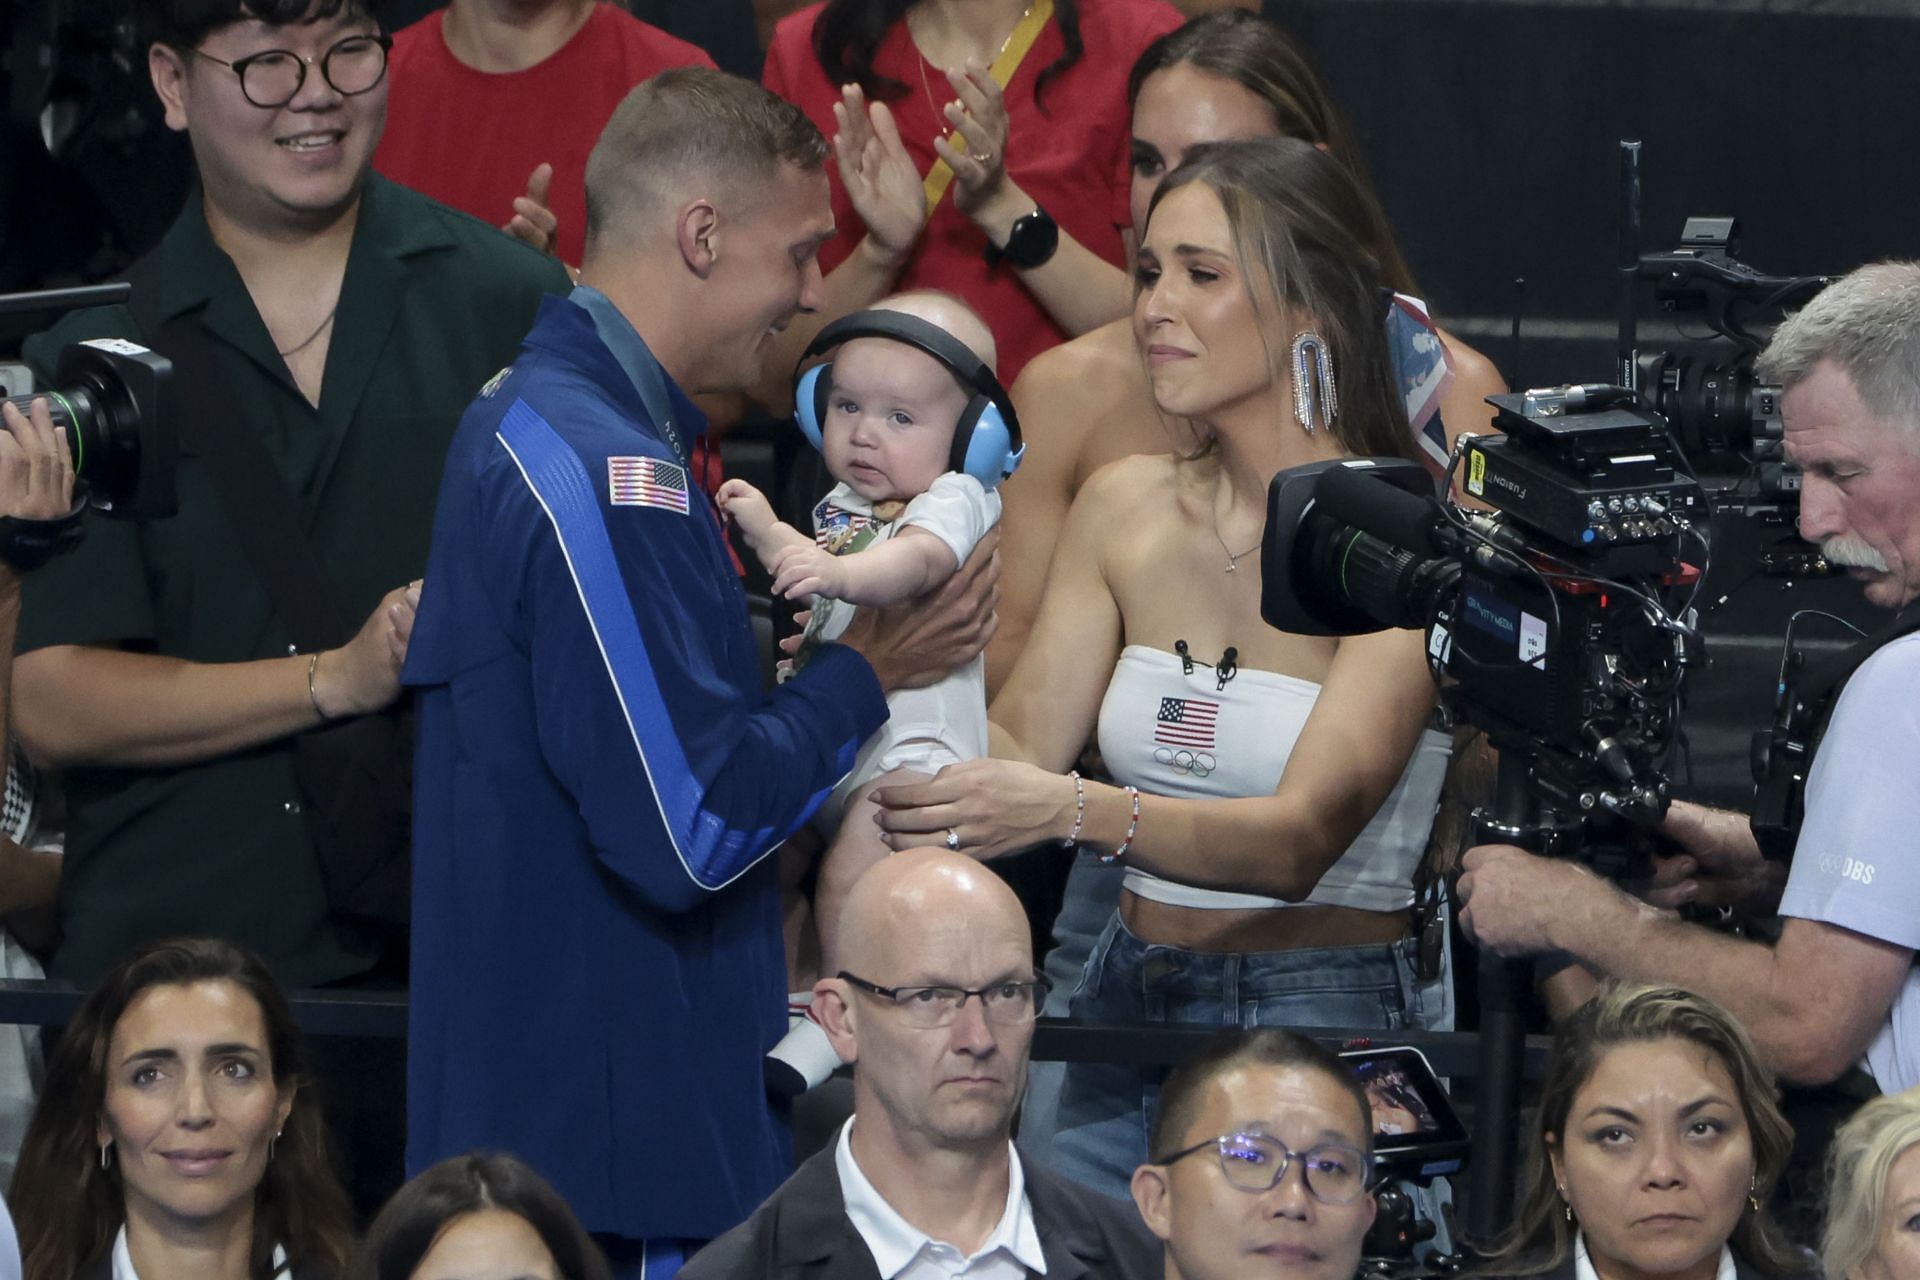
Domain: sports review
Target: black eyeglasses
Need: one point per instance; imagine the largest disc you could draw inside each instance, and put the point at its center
(1335, 1173)
(274, 77)
(1010, 1003)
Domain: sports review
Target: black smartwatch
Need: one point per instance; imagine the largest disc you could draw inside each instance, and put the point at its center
(1030, 244)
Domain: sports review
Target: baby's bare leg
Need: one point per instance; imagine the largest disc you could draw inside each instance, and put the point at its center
(856, 847)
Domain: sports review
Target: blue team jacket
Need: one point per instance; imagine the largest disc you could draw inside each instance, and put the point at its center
(597, 963)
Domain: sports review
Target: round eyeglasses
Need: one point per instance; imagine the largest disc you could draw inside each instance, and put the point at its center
(1335, 1173)
(273, 77)
(928, 1008)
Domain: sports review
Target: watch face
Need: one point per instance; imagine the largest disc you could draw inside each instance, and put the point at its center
(1033, 240)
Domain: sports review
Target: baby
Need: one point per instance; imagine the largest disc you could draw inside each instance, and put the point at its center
(917, 431)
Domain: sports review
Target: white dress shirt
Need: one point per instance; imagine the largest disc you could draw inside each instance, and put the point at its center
(1583, 1266)
(902, 1251)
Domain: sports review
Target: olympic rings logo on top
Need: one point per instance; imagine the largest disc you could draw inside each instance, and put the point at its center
(1197, 763)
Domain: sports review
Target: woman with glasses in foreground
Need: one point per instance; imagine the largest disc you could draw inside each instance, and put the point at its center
(1263, 1164)
(1657, 1144)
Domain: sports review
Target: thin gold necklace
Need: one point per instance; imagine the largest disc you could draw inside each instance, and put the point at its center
(926, 87)
(1233, 561)
(308, 341)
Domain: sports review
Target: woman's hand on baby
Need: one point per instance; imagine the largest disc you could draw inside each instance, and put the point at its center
(992, 807)
(747, 507)
(807, 570)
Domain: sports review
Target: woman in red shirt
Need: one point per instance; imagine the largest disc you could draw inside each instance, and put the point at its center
(1033, 230)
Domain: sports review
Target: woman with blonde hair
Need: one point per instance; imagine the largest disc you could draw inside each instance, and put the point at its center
(1873, 1193)
(1657, 1142)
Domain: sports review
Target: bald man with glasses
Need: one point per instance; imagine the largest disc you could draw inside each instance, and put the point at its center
(935, 1010)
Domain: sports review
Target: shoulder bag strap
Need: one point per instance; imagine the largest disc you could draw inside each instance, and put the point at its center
(1025, 32)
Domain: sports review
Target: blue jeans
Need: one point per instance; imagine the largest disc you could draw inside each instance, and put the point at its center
(1106, 1110)
(1093, 893)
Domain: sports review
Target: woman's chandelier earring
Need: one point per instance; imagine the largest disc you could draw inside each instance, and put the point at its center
(1313, 380)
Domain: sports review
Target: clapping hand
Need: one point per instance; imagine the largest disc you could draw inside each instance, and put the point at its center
(879, 175)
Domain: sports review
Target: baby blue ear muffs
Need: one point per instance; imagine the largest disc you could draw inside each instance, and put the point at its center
(986, 440)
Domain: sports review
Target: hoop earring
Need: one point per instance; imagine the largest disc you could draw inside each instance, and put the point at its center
(1313, 385)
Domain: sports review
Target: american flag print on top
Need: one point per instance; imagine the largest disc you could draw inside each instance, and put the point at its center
(1186, 722)
(646, 482)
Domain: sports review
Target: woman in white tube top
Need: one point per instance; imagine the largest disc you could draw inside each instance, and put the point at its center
(1283, 797)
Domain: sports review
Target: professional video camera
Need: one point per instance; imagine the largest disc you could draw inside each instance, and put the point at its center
(1556, 618)
(1560, 622)
(115, 399)
(1723, 418)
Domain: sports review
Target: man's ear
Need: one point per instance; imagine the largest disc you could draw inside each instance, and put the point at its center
(1153, 1197)
(166, 67)
(833, 1010)
(697, 227)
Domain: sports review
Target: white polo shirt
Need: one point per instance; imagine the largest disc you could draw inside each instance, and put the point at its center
(902, 1251)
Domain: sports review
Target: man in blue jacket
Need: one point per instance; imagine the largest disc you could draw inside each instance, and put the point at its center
(597, 957)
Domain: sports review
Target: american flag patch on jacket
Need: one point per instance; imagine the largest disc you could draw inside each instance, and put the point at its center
(646, 482)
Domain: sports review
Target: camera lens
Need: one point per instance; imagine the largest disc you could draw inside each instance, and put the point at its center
(113, 398)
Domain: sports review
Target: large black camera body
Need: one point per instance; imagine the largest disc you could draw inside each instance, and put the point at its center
(1556, 620)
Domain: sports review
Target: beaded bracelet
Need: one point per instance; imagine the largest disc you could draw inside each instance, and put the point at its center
(1133, 825)
(1079, 809)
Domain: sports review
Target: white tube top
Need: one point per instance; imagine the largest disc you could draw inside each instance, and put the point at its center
(1171, 733)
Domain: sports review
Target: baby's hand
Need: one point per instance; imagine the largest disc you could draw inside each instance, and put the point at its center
(747, 507)
(804, 570)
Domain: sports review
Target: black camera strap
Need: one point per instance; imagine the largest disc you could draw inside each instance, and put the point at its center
(1783, 755)
(263, 510)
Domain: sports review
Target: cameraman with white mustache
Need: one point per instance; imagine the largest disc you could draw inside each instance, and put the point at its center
(1839, 987)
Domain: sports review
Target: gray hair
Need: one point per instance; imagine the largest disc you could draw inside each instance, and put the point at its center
(1863, 1153)
(686, 124)
(1868, 323)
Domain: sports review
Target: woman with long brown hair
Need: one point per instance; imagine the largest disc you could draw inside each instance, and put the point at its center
(1272, 792)
(1657, 1143)
(1085, 403)
(178, 1137)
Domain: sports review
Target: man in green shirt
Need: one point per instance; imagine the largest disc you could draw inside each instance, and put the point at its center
(347, 323)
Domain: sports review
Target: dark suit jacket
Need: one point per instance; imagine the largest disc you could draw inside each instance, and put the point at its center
(803, 1233)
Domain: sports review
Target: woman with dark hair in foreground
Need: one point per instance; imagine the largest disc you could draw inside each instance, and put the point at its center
(178, 1137)
(1657, 1144)
(475, 1215)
